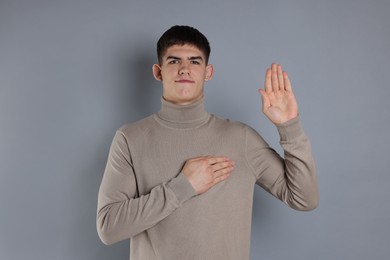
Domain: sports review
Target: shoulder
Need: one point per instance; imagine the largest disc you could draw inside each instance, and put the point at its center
(137, 128)
(238, 128)
(229, 125)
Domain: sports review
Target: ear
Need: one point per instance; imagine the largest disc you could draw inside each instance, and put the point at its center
(157, 72)
(209, 72)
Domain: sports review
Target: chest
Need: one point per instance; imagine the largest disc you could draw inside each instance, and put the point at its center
(160, 156)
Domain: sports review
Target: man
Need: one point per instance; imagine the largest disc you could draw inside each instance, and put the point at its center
(180, 182)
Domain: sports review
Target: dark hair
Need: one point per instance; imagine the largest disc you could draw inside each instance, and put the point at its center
(181, 35)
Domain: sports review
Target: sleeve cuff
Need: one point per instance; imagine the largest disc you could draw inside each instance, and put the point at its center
(290, 129)
(182, 188)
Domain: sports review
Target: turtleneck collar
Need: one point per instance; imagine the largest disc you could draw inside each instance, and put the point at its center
(182, 116)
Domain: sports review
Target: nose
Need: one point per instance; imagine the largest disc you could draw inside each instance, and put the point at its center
(184, 69)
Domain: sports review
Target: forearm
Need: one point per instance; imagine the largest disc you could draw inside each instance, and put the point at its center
(298, 186)
(292, 179)
(122, 212)
(122, 219)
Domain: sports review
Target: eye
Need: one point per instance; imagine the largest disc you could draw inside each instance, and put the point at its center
(173, 62)
(195, 62)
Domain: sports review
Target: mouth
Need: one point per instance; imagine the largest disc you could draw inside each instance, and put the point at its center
(184, 81)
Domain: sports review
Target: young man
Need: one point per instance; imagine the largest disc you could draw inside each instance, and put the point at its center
(180, 182)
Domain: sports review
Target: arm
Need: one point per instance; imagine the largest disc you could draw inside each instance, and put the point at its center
(122, 213)
(292, 179)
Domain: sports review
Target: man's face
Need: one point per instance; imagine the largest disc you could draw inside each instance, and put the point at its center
(183, 72)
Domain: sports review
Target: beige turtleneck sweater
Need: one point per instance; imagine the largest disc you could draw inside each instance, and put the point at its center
(143, 195)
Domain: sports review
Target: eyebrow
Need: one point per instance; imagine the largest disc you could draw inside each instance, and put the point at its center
(189, 58)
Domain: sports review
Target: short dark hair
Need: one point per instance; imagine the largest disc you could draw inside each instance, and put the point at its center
(181, 35)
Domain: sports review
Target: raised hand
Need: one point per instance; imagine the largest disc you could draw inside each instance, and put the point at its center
(279, 103)
(206, 171)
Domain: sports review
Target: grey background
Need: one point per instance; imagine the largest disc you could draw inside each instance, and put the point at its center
(72, 72)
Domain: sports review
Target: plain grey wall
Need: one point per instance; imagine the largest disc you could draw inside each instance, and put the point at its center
(72, 72)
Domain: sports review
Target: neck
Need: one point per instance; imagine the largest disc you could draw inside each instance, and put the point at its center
(182, 116)
(184, 103)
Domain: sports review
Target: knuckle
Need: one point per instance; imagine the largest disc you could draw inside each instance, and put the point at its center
(206, 165)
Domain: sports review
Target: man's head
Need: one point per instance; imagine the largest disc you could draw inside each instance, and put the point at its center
(183, 35)
(183, 67)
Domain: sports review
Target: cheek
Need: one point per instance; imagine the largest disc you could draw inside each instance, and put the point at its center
(167, 77)
(200, 74)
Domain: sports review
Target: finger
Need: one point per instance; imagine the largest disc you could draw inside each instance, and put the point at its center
(274, 77)
(287, 82)
(268, 83)
(222, 166)
(221, 178)
(216, 159)
(280, 77)
(222, 172)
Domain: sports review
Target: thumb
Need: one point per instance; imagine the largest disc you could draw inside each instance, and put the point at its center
(265, 99)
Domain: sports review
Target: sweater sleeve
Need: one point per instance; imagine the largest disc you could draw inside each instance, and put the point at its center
(292, 179)
(121, 213)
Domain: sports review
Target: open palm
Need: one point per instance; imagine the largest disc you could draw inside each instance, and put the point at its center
(279, 102)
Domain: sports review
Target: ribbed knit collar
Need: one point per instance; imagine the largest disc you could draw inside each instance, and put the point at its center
(182, 116)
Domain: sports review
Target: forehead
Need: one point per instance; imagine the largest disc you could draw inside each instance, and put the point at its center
(183, 51)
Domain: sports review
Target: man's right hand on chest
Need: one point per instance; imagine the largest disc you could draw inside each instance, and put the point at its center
(206, 171)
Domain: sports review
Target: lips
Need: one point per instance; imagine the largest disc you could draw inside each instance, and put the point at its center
(185, 81)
